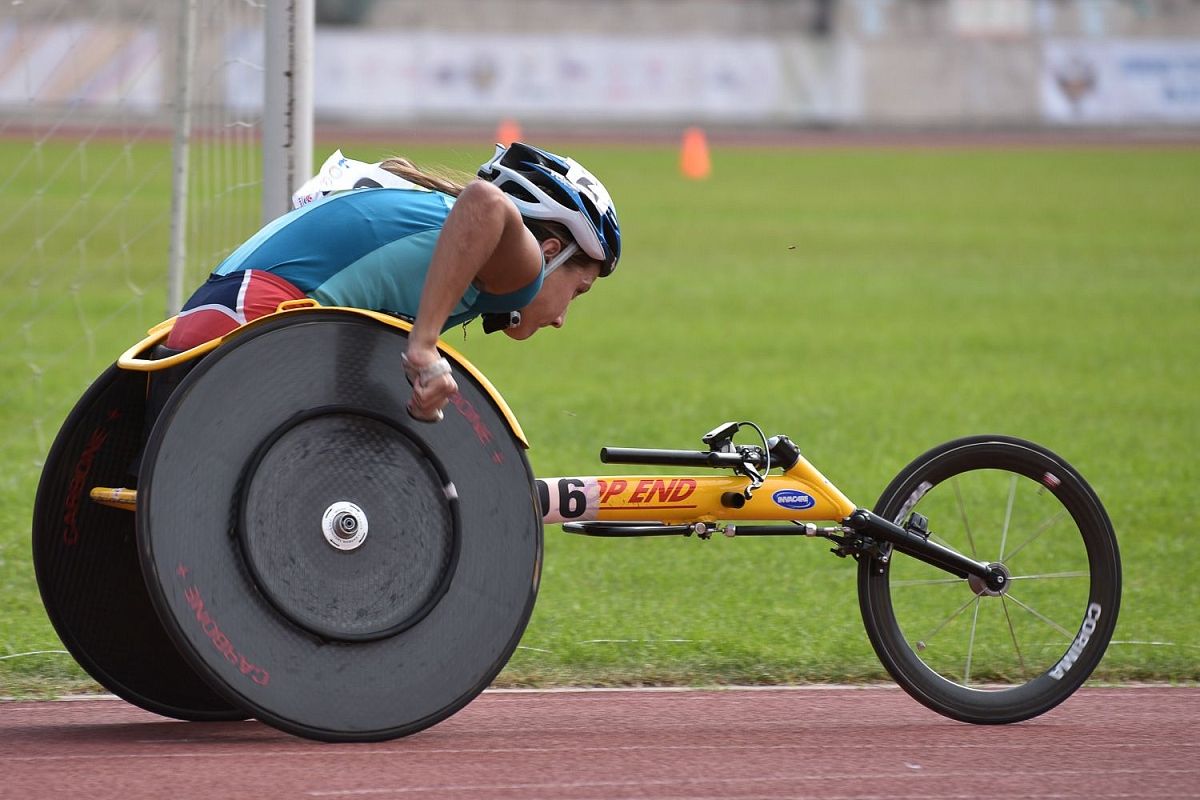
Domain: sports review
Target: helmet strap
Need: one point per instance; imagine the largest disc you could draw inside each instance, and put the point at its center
(564, 255)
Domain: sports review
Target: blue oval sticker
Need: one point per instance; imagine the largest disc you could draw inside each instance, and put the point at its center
(790, 498)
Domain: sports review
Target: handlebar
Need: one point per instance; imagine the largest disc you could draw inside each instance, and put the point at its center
(680, 458)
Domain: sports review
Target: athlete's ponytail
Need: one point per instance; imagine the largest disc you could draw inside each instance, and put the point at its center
(445, 182)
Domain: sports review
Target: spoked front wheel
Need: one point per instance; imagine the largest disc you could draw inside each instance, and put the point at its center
(977, 654)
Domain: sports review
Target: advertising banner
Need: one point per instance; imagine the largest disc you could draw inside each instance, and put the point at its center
(1121, 81)
(89, 65)
(386, 75)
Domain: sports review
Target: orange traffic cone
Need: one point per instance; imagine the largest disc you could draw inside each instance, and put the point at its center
(507, 132)
(693, 156)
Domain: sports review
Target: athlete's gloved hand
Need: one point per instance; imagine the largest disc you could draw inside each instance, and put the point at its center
(433, 385)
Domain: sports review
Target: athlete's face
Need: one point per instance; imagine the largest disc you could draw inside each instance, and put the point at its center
(549, 306)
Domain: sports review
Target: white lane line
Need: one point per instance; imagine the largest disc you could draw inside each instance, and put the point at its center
(350, 750)
(1091, 688)
(35, 653)
(919, 796)
(719, 689)
(804, 778)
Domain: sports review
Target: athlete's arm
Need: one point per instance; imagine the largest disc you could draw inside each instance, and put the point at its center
(483, 242)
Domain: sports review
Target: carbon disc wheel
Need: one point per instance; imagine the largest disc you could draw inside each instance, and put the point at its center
(85, 557)
(981, 655)
(327, 563)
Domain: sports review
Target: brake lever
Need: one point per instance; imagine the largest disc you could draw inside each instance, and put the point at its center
(751, 455)
(720, 440)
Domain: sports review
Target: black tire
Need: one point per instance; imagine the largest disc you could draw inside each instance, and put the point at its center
(963, 651)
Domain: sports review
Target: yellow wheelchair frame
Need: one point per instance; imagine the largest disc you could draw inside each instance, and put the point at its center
(801, 492)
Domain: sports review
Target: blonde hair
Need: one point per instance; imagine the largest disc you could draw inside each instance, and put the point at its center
(451, 183)
(443, 181)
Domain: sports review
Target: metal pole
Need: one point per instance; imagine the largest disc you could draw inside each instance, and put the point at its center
(287, 102)
(177, 252)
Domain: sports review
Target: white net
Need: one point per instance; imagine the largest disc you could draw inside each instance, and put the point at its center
(88, 94)
(226, 156)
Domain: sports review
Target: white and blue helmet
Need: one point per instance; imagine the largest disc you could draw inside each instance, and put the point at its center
(545, 186)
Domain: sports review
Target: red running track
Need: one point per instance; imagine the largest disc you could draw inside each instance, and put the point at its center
(734, 744)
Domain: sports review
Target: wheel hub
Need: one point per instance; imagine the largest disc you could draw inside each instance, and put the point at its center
(344, 525)
(995, 584)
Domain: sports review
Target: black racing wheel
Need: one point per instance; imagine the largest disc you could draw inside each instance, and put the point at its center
(970, 652)
(85, 557)
(331, 565)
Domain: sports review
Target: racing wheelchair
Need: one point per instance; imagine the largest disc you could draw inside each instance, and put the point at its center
(257, 528)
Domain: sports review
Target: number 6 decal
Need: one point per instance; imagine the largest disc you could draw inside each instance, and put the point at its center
(572, 501)
(568, 499)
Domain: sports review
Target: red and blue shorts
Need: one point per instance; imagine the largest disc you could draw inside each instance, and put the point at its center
(226, 301)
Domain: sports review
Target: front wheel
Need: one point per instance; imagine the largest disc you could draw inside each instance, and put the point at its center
(960, 648)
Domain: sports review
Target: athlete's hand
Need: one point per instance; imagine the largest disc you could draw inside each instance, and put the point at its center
(432, 383)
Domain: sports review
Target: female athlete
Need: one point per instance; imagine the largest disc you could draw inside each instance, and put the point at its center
(531, 234)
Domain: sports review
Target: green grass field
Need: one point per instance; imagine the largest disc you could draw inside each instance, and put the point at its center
(868, 303)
